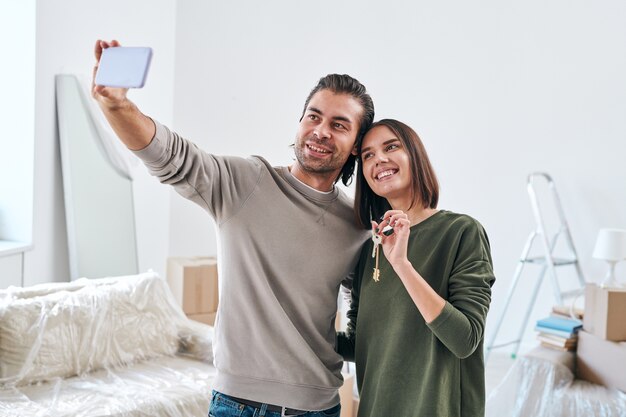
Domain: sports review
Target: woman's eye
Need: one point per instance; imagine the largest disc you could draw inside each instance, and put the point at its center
(392, 147)
(366, 156)
(312, 117)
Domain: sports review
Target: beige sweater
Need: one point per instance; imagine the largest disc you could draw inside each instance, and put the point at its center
(284, 249)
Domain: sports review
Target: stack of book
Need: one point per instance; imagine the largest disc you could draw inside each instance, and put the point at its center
(568, 312)
(558, 332)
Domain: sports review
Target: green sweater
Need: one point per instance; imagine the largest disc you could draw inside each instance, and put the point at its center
(406, 367)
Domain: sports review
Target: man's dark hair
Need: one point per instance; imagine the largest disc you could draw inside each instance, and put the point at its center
(345, 84)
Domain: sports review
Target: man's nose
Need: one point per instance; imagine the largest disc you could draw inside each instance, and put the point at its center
(322, 131)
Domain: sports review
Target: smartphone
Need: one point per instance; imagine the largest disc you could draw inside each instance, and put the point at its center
(124, 66)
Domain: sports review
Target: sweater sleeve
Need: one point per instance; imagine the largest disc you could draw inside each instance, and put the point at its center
(460, 326)
(218, 184)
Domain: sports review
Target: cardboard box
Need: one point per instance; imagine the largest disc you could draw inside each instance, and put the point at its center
(206, 318)
(346, 395)
(601, 361)
(193, 282)
(605, 312)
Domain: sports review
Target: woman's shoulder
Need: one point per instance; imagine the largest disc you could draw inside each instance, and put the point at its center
(468, 232)
(459, 220)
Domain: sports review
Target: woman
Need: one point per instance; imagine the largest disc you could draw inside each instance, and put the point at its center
(416, 333)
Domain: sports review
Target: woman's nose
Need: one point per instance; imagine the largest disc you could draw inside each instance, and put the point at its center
(381, 158)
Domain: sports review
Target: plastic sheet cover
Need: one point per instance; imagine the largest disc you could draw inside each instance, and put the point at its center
(542, 384)
(104, 347)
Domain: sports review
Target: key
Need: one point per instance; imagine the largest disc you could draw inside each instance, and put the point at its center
(377, 241)
(376, 275)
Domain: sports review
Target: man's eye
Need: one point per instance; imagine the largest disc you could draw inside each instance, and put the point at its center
(312, 116)
(339, 126)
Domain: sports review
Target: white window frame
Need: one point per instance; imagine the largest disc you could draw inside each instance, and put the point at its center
(17, 120)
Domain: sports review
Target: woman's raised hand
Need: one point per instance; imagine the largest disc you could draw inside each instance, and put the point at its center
(394, 244)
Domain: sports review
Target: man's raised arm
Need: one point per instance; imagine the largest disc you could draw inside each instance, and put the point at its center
(134, 128)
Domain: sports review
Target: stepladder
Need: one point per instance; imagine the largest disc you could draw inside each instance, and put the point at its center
(539, 251)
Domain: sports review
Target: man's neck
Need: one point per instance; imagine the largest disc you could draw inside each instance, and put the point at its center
(320, 182)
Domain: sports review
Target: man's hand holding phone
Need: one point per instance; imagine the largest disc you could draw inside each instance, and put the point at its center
(135, 129)
(106, 96)
(118, 69)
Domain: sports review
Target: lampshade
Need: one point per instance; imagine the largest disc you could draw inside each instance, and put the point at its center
(610, 245)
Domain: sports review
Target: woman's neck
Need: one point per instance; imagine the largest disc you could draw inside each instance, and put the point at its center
(421, 215)
(416, 214)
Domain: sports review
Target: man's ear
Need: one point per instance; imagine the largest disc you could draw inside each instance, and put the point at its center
(354, 151)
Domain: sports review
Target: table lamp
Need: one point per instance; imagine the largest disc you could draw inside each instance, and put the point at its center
(611, 247)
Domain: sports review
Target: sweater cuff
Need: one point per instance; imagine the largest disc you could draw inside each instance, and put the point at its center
(440, 321)
(157, 146)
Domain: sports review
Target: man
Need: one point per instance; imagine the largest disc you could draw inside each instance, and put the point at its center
(287, 239)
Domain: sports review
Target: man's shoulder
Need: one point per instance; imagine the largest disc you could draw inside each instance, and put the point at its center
(236, 162)
(260, 160)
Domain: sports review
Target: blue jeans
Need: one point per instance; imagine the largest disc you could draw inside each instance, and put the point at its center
(224, 406)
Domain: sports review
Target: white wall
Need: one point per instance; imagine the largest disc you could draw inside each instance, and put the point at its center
(66, 33)
(495, 90)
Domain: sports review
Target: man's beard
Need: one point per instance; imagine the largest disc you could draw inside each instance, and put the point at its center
(315, 165)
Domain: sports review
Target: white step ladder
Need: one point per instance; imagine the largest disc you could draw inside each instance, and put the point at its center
(548, 262)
